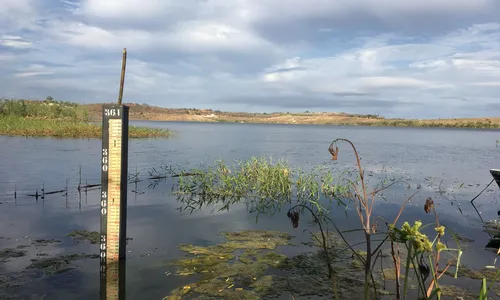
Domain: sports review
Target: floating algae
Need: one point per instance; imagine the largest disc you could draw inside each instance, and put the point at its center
(464, 271)
(270, 286)
(82, 235)
(225, 275)
(58, 264)
(310, 276)
(45, 242)
(255, 239)
(245, 267)
(7, 253)
(456, 292)
(242, 268)
(92, 236)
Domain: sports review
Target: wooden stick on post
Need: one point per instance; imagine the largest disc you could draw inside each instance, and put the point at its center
(122, 79)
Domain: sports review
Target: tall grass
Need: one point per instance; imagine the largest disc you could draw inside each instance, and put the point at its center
(43, 110)
(57, 119)
(18, 126)
(264, 185)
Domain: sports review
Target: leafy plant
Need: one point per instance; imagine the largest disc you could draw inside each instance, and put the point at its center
(485, 289)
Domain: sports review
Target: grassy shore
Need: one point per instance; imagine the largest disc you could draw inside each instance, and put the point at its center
(58, 119)
(154, 113)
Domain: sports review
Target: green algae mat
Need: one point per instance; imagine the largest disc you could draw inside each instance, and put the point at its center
(235, 269)
(246, 266)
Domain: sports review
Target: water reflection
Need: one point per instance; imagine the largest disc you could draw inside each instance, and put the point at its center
(156, 230)
(430, 158)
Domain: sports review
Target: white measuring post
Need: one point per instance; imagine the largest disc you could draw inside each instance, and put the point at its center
(114, 166)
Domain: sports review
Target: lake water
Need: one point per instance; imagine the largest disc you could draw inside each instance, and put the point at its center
(450, 165)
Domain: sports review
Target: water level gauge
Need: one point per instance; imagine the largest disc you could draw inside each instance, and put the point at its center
(114, 166)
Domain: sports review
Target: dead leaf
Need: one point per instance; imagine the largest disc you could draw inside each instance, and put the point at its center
(334, 152)
(429, 205)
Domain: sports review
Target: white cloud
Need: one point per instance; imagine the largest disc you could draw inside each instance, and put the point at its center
(230, 54)
(190, 37)
(487, 83)
(14, 42)
(384, 9)
(393, 82)
(17, 14)
(33, 70)
(125, 8)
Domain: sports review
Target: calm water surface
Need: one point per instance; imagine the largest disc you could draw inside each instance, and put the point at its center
(450, 165)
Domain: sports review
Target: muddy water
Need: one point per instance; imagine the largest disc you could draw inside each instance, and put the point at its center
(447, 164)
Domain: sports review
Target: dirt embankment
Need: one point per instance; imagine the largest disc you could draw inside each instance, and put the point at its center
(154, 113)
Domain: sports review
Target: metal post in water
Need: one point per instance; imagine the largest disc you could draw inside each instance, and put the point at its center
(114, 166)
(495, 173)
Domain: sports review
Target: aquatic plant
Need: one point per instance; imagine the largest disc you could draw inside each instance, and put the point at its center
(84, 235)
(266, 187)
(417, 245)
(228, 275)
(247, 265)
(7, 253)
(60, 263)
(263, 185)
(364, 202)
(485, 289)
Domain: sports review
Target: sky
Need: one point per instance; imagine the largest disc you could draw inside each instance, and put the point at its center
(410, 59)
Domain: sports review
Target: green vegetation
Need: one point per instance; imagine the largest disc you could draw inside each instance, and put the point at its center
(41, 266)
(371, 121)
(247, 265)
(244, 267)
(85, 235)
(58, 264)
(57, 119)
(268, 187)
(8, 253)
(147, 112)
(48, 109)
(486, 124)
(264, 185)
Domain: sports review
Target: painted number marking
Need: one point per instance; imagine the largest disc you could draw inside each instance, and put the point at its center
(112, 112)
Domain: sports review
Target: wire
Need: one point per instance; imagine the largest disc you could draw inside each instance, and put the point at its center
(482, 191)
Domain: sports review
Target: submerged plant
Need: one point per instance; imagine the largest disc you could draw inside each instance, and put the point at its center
(226, 275)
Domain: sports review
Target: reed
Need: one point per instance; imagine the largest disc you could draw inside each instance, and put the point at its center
(264, 185)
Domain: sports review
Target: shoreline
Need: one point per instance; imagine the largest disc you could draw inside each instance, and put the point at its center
(144, 112)
(461, 124)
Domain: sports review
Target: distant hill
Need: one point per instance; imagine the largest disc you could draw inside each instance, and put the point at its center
(155, 113)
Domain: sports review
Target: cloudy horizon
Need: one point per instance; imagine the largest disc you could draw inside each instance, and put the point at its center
(411, 59)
